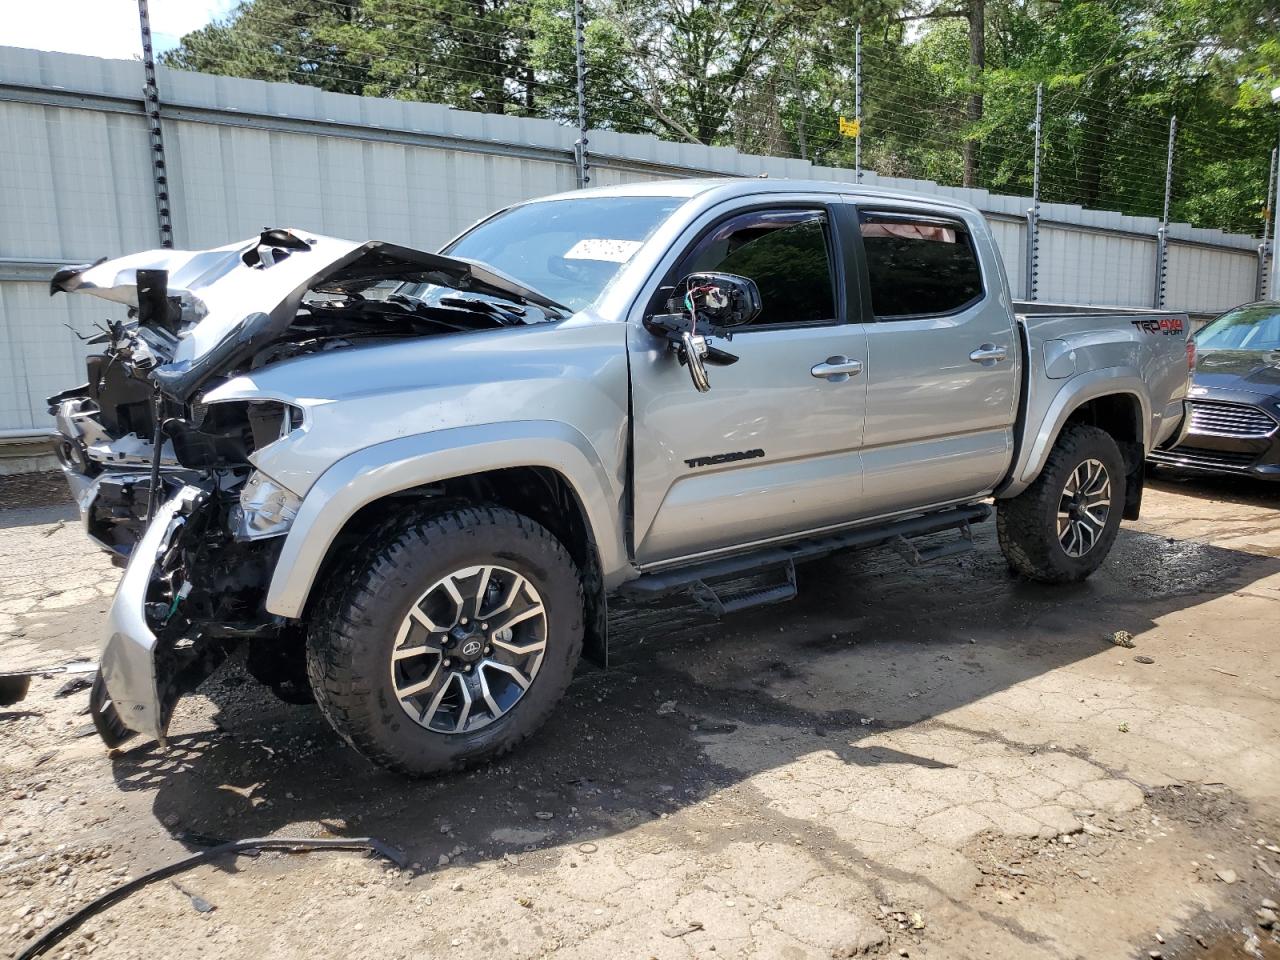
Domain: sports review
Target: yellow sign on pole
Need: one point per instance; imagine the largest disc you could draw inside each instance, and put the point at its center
(850, 128)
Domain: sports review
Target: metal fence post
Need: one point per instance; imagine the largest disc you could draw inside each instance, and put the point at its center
(1033, 214)
(580, 53)
(1260, 287)
(151, 104)
(1275, 240)
(1162, 235)
(857, 103)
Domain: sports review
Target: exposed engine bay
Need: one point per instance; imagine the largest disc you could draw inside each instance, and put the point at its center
(139, 432)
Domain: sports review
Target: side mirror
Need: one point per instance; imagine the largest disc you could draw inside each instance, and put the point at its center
(723, 300)
(712, 303)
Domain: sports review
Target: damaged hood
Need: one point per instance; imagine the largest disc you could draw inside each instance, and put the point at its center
(193, 302)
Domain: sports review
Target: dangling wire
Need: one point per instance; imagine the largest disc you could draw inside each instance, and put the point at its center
(691, 306)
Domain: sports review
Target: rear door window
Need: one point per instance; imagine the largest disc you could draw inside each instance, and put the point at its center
(919, 266)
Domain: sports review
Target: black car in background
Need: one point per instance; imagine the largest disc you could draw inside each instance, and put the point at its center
(1234, 425)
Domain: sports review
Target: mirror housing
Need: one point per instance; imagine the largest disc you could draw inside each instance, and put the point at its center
(721, 300)
(714, 303)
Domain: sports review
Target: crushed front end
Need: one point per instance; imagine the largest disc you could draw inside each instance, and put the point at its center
(166, 475)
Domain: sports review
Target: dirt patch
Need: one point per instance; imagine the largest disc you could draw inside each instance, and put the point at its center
(1201, 834)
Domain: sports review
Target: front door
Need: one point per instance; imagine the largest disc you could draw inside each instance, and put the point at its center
(773, 448)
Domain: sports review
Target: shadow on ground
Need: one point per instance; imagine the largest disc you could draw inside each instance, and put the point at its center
(627, 746)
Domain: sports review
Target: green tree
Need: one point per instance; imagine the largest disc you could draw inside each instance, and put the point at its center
(465, 53)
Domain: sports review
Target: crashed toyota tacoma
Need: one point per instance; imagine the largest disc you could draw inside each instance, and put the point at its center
(406, 482)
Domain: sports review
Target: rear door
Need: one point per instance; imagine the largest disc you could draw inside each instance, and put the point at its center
(772, 448)
(943, 358)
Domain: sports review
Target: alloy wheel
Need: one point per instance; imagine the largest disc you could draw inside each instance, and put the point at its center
(468, 649)
(1084, 507)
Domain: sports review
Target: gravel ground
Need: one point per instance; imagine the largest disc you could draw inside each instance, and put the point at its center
(944, 762)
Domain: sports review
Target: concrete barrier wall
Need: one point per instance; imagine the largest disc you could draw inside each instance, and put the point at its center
(76, 185)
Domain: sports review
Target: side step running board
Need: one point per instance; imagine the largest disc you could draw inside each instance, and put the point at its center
(718, 604)
(784, 556)
(916, 557)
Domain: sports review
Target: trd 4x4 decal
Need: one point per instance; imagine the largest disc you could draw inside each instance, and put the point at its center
(1169, 326)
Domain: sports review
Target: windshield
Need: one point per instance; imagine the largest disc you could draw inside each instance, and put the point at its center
(1255, 327)
(568, 250)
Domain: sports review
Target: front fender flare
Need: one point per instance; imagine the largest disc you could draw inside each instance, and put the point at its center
(386, 468)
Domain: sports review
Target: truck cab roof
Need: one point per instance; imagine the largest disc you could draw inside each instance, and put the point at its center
(731, 188)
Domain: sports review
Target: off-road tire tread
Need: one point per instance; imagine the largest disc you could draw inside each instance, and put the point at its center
(340, 619)
(1019, 520)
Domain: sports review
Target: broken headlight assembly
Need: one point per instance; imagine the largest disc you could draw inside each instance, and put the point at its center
(266, 509)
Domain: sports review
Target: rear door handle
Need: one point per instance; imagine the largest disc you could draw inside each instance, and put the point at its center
(988, 354)
(836, 369)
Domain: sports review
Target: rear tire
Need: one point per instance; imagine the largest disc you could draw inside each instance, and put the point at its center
(385, 652)
(1061, 528)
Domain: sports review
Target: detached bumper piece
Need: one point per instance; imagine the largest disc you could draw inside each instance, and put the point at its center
(142, 674)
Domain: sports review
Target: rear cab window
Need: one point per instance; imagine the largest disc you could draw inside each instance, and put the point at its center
(919, 266)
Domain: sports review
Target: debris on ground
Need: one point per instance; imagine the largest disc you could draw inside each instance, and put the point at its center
(200, 904)
(1123, 638)
(693, 926)
(667, 707)
(53, 529)
(57, 932)
(1144, 659)
(74, 685)
(1227, 876)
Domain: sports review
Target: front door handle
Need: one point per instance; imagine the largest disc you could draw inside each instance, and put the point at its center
(989, 354)
(836, 369)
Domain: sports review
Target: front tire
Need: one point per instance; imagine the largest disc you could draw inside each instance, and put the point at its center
(447, 641)
(1061, 528)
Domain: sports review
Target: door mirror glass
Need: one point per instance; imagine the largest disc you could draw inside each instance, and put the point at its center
(723, 300)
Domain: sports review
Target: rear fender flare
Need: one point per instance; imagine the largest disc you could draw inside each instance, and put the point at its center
(387, 468)
(1075, 393)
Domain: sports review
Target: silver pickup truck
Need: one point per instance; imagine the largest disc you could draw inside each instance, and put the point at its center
(407, 482)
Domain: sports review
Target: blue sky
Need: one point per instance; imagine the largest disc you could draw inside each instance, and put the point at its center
(104, 28)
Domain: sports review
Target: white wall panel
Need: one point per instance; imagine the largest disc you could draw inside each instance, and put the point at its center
(73, 183)
(1095, 268)
(1209, 279)
(1011, 238)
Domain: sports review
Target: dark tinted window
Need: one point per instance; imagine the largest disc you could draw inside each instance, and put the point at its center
(919, 265)
(785, 252)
